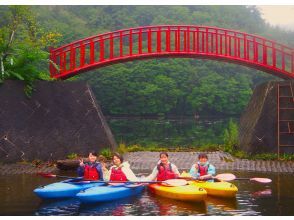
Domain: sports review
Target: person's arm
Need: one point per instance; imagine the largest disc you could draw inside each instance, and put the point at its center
(194, 172)
(106, 175)
(99, 170)
(210, 173)
(152, 176)
(129, 174)
(81, 170)
(175, 170)
(211, 170)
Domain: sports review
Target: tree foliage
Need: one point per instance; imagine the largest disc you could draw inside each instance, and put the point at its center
(23, 53)
(169, 86)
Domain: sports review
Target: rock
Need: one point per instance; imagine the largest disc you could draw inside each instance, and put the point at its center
(68, 164)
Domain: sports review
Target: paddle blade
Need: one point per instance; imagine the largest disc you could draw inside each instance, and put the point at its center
(225, 177)
(116, 184)
(46, 175)
(134, 185)
(261, 180)
(175, 182)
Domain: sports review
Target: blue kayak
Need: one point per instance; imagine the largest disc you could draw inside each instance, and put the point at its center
(64, 189)
(109, 193)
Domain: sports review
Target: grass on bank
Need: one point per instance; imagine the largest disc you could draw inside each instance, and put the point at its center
(122, 148)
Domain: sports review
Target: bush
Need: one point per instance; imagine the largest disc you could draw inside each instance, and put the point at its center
(122, 148)
(240, 154)
(72, 156)
(106, 152)
(231, 137)
(135, 148)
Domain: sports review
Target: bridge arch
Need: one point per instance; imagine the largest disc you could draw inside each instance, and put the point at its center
(172, 41)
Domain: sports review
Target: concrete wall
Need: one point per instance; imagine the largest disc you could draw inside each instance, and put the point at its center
(60, 118)
(258, 130)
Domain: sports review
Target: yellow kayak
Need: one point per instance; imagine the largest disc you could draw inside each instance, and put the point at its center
(218, 189)
(184, 193)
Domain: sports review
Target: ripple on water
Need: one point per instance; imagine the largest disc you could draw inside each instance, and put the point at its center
(59, 207)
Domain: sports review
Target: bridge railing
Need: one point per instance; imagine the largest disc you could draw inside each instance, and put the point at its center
(172, 40)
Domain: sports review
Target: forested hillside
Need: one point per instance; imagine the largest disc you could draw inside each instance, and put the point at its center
(165, 86)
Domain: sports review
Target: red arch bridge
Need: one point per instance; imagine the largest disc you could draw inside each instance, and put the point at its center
(172, 41)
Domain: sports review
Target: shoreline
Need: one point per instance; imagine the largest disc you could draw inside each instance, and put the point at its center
(183, 160)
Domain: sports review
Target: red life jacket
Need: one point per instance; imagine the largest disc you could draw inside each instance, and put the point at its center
(202, 170)
(91, 173)
(165, 173)
(117, 175)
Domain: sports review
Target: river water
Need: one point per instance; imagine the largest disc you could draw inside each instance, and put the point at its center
(186, 131)
(276, 198)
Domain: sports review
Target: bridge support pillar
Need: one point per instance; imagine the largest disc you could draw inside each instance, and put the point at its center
(59, 119)
(267, 125)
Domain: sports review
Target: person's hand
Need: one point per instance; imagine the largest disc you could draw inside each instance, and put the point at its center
(196, 166)
(81, 162)
(201, 177)
(142, 178)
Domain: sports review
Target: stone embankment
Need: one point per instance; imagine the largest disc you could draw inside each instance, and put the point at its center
(146, 161)
(19, 168)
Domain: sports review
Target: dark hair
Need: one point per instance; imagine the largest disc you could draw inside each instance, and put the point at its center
(101, 158)
(94, 153)
(163, 153)
(119, 156)
(202, 155)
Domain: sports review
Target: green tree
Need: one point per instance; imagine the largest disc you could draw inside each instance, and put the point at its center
(22, 44)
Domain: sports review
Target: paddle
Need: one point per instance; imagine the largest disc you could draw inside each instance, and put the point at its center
(50, 175)
(222, 177)
(170, 182)
(256, 179)
(229, 177)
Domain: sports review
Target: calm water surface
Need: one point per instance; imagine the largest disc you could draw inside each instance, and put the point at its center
(169, 132)
(17, 197)
(276, 198)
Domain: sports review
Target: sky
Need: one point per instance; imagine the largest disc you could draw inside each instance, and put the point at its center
(278, 15)
(275, 12)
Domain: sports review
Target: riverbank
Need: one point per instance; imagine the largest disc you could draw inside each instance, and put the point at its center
(144, 161)
(27, 168)
(221, 160)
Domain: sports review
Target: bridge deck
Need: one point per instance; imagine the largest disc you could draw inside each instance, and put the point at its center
(172, 41)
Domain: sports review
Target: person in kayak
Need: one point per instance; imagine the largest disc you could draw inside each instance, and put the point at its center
(164, 170)
(91, 170)
(121, 171)
(202, 170)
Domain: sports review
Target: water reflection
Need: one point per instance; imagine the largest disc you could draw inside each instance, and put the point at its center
(146, 204)
(262, 193)
(252, 198)
(168, 132)
(59, 207)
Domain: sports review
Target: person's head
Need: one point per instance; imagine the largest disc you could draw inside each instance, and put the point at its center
(92, 156)
(163, 157)
(101, 159)
(202, 157)
(117, 159)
